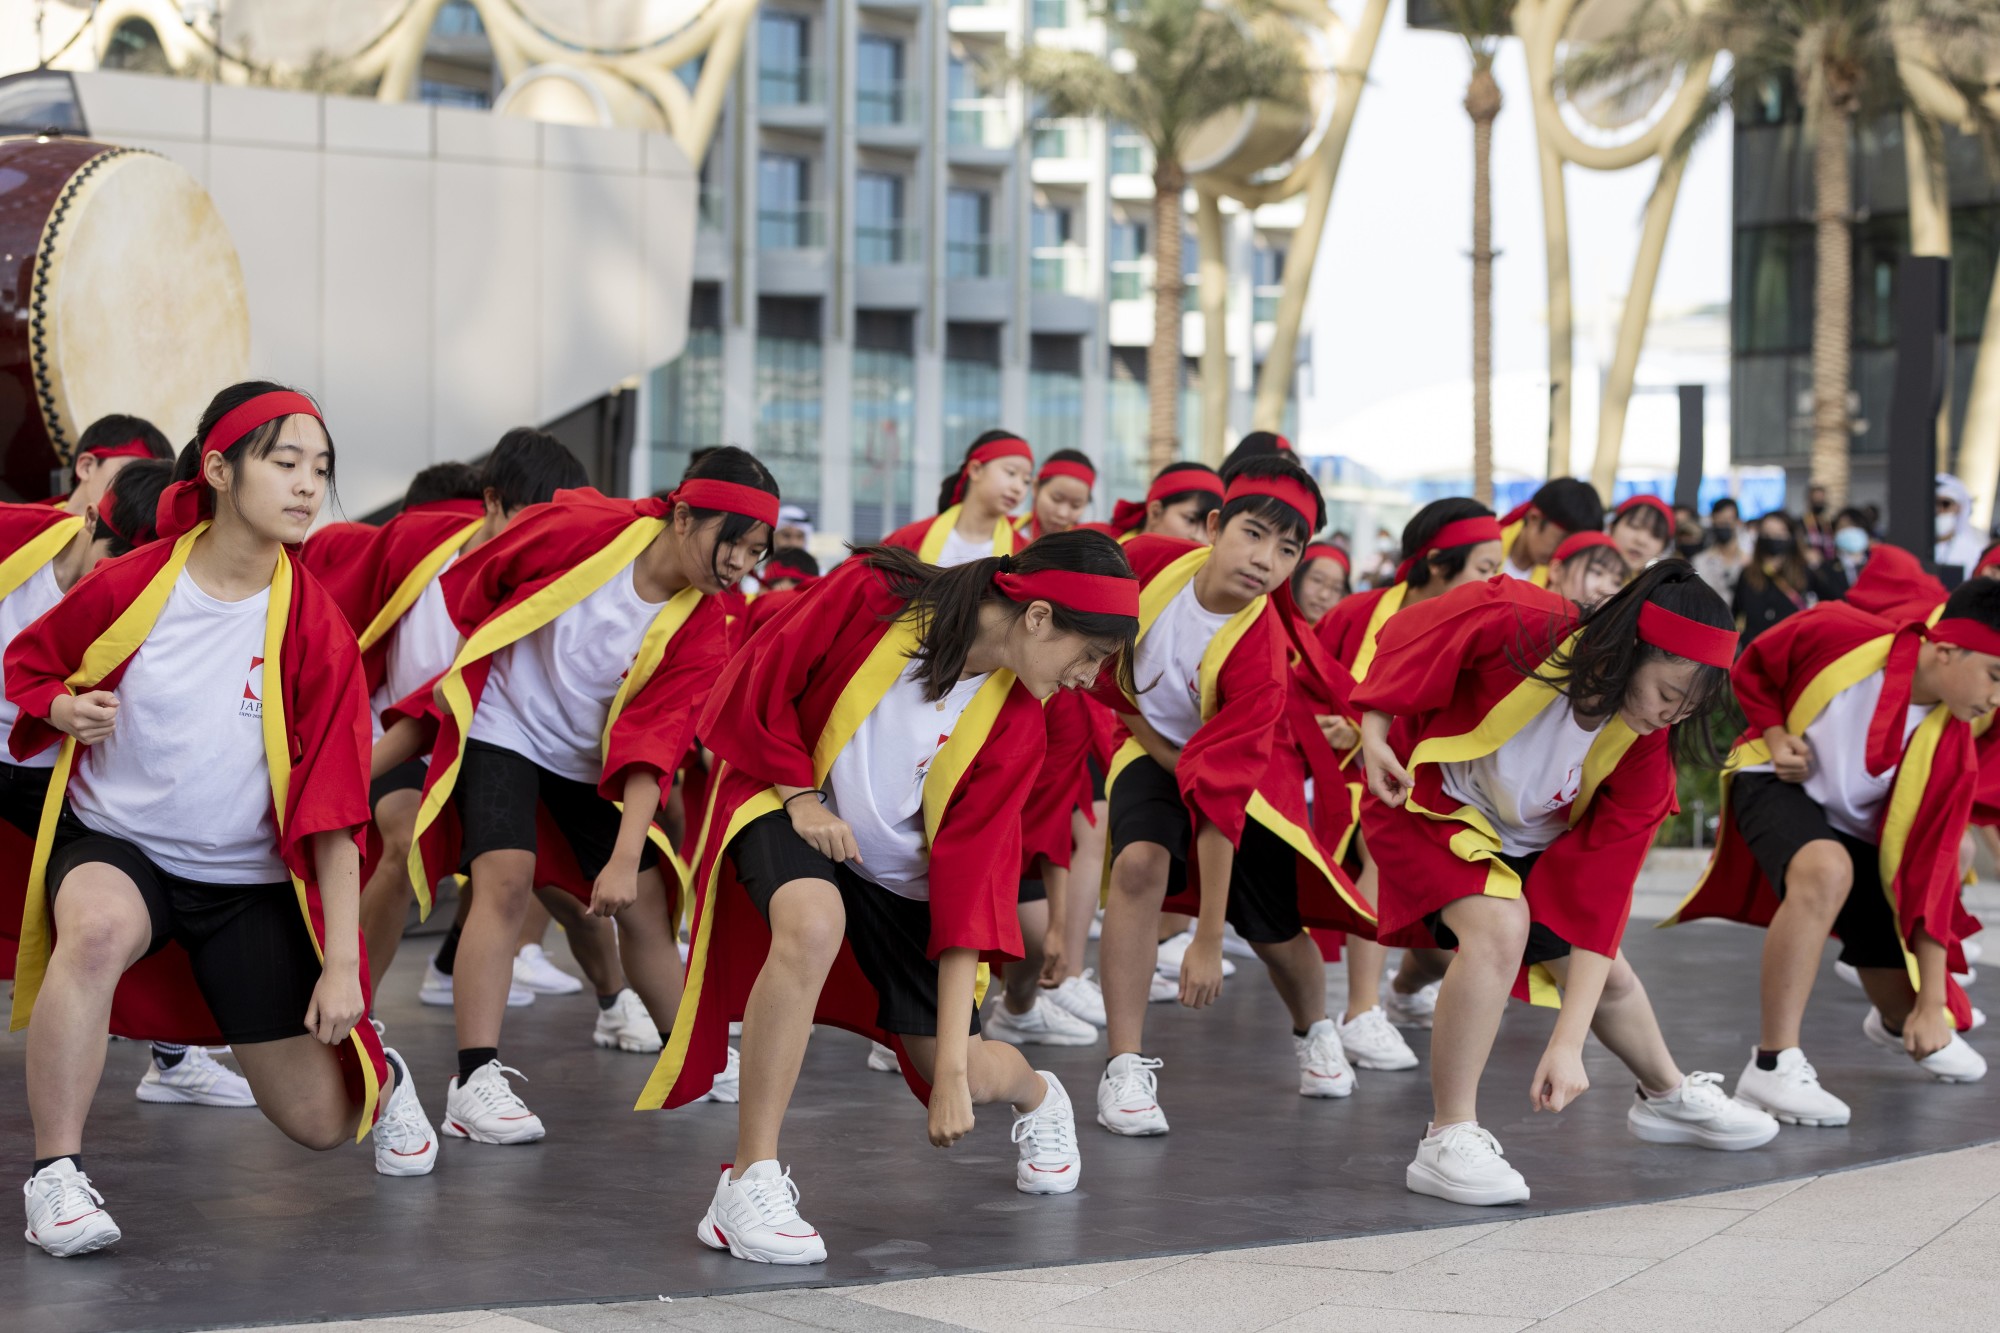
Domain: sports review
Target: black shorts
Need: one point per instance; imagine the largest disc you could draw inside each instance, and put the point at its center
(22, 791)
(1033, 891)
(1146, 806)
(406, 776)
(1543, 944)
(1776, 819)
(1096, 777)
(890, 935)
(254, 960)
(497, 794)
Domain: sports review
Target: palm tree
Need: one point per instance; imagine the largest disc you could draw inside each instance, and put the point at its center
(1481, 23)
(1847, 59)
(1172, 65)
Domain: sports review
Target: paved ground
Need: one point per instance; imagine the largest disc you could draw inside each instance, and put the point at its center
(1905, 1246)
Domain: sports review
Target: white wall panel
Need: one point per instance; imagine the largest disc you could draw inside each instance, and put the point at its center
(486, 291)
(592, 232)
(270, 199)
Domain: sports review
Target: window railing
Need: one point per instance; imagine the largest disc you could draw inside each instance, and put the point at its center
(1128, 280)
(1130, 156)
(891, 244)
(885, 104)
(1054, 13)
(979, 122)
(1058, 139)
(1264, 304)
(711, 210)
(981, 258)
(1057, 268)
(802, 227)
(791, 85)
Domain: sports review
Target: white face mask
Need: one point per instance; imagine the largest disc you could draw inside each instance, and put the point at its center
(1947, 525)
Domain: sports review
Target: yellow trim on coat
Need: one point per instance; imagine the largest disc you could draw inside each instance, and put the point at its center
(1387, 605)
(37, 551)
(932, 545)
(1913, 776)
(413, 585)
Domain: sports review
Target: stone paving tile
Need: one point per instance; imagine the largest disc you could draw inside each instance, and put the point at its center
(1519, 1283)
(988, 1304)
(836, 1310)
(1212, 1295)
(1745, 1200)
(1098, 1275)
(1624, 1308)
(1632, 1233)
(1890, 1208)
(1376, 1254)
(1354, 1319)
(1894, 1301)
(1778, 1267)
(709, 1314)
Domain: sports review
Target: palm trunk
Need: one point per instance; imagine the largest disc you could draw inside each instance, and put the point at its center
(1482, 103)
(1163, 358)
(1833, 296)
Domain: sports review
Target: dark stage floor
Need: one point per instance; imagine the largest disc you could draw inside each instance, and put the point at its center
(226, 1223)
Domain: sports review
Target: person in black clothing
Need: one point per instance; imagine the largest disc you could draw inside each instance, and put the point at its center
(1781, 578)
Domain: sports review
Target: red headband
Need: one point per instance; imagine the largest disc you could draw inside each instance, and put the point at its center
(1682, 637)
(1516, 514)
(129, 449)
(1092, 594)
(104, 504)
(1288, 491)
(1991, 557)
(1324, 551)
(1127, 515)
(728, 496)
(1459, 532)
(1066, 467)
(1578, 542)
(1962, 633)
(785, 574)
(1650, 502)
(181, 503)
(986, 453)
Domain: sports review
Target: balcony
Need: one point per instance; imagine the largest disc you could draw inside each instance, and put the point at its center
(972, 259)
(1131, 156)
(1058, 268)
(892, 244)
(801, 227)
(1130, 280)
(1264, 304)
(791, 86)
(980, 16)
(886, 104)
(978, 129)
(1047, 14)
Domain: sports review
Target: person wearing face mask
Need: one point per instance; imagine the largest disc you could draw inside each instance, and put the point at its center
(1851, 543)
(1721, 562)
(1781, 578)
(1959, 543)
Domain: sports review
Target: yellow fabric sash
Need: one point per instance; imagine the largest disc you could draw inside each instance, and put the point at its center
(1539, 575)
(941, 526)
(37, 551)
(1388, 605)
(412, 587)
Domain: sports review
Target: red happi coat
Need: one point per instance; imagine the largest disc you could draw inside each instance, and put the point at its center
(316, 744)
(1785, 678)
(550, 559)
(1448, 670)
(781, 714)
(926, 536)
(377, 583)
(31, 535)
(1242, 763)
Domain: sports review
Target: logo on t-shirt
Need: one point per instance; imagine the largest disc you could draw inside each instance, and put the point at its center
(924, 764)
(253, 690)
(1572, 785)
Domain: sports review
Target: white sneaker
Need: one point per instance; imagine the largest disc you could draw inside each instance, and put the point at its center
(1175, 948)
(65, 1215)
(1462, 1163)
(436, 989)
(1372, 1042)
(727, 1085)
(1323, 1067)
(1410, 1011)
(1050, 1163)
(1791, 1092)
(1847, 973)
(198, 1080)
(486, 1110)
(405, 1144)
(1234, 945)
(1163, 989)
(535, 972)
(882, 1060)
(1081, 997)
(1045, 1024)
(627, 1026)
(1974, 951)
(1699, 1112)
(757, 1218)
(1128, 1100)
(1956, 1063)
(1097, 926)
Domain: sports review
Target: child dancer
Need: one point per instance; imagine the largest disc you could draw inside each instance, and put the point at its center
(973, 505)
(1588, 568)
(1207, 795)
(1847, 800)
(1518, 766)
(1643, 529)
(1062, 494)
(1177, 504)
(593, 633)
(216, 691)
(861, 849)
(1531, 532)
(1321, 581)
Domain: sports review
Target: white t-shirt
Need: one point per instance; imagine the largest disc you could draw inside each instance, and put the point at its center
(1170, 655)
(422, 646)
(1525, 787)
(549, 694)
(961, 551)
(1839, 778)
(877, 783)
(18, 610)
(183, 773)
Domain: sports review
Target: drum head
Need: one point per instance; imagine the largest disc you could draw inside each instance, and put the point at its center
(138, 302)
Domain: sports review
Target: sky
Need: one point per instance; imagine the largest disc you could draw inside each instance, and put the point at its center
(1390, 309)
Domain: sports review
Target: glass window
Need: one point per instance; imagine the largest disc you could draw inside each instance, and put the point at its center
(687, 404)
(784, 221)
(783, 68)
(1126, 242)
(878, 218)
(885, 423)
(968, 232)
(971, 402)
(1772, 304)
(1052, 226)
(1055, 410)
(788, 400)
(878, 81)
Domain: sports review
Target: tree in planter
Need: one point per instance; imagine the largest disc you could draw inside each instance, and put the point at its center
(1482, 23)
(1173, 64)
(1846, 58)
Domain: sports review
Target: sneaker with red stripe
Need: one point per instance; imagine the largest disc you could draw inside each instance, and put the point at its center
(1050, 1163)
(756, 1217)
(486, 1110)
(65, 1215)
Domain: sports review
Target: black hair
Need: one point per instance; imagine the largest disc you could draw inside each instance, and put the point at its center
(1595, 669)
(119, 428)
(728, 463)
(528, 467)
(1648, 517)
(1299, 575)
(444, 481)
(697, 454)
(256, 443)
(1854, 515)
(797, 560)
(1066, 456)
(1793, 571)
(1257, 444)
(946, 602)
(133, 499)
(1734, 508)
(950, 486)
(1206, 502)
(1271, 509)
(1449, 563)
(1570, 504)
(1606, 558)
(1975, 599)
